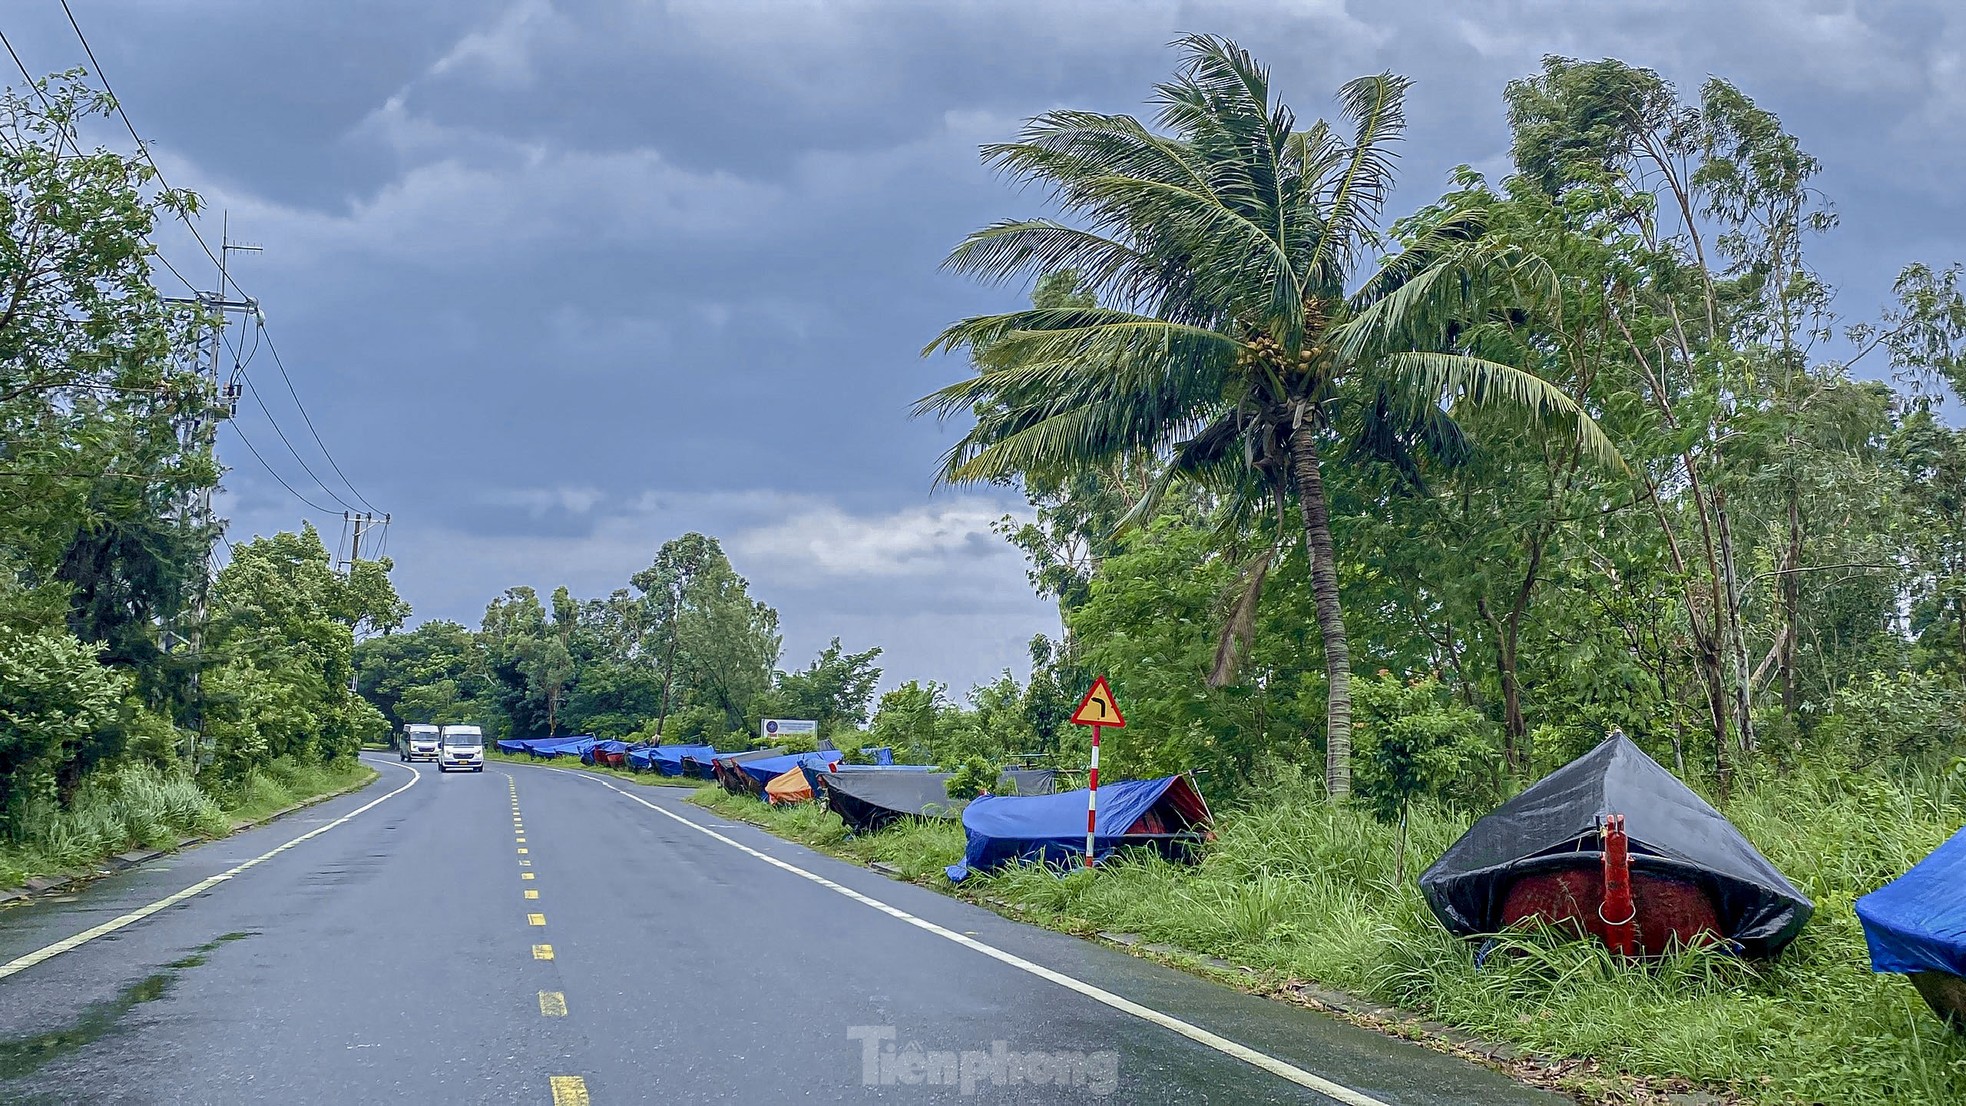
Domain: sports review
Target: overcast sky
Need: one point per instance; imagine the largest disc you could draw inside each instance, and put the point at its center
(558, 280)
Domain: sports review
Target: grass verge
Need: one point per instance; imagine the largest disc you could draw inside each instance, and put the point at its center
(141, 806)
(1297, 891)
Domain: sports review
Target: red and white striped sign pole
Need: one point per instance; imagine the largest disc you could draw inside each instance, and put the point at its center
(1098, 710)
(1092, 797)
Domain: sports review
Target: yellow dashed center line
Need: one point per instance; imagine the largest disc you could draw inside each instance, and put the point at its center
(531, 894)
(542, 952)
(522, 852)
(552, 1004)
(521, 840)
(568, 1090)
(525, 875)
(536, 919)
(525, 863)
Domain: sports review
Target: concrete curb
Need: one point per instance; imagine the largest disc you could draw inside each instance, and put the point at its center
(41, 885)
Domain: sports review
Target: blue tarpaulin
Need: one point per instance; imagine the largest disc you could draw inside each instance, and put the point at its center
(536, 745)
(1051, 828)
(882, 755)
(1917, 922)
(573, 746)
(668, 759)
(770, 768)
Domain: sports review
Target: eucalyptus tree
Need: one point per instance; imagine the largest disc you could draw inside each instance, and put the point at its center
(1247, 327)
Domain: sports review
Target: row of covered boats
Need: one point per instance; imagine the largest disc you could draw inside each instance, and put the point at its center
(1612, 847)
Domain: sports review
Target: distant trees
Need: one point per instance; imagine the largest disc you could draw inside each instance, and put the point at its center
(685, 653)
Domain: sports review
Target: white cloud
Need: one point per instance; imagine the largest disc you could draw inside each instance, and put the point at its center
(919, 541)
(579, 500)
(503, 51)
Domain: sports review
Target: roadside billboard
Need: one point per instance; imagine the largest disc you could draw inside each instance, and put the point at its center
(771, 729)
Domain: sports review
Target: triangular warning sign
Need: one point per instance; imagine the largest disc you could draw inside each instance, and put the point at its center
(1099, 708)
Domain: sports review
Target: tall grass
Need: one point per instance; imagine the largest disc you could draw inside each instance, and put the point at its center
(127, 807)
(138, 805)
(1298, 890)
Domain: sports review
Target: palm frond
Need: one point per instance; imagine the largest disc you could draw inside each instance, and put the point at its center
(1355, 193)
(1418, 380)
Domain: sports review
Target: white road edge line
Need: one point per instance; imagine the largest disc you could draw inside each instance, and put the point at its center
(22, 963)
(1279, 1068)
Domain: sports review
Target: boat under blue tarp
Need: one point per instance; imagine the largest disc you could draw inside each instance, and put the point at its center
(668, 759)
(1917, 922)
(535, 745)
(763, 771)
(1165, 814)
(604, 752)
(571, 746)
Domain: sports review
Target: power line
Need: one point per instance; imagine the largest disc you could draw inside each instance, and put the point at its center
(282, 365)
(248, 442)
(261, 333)
(239, 374)
(75, 146)
(117, 103)
(304, 467)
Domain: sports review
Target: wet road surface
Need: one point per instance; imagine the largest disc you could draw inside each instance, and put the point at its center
(529, 935)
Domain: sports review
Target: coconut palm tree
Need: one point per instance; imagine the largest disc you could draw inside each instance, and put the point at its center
(1246, 324)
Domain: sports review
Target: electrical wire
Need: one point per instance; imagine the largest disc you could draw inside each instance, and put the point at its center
(261, 333)
(117, 103)
(282, 366)
(239, 375)
(248, 443)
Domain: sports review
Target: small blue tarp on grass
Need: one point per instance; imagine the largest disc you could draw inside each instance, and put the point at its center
(1051, 828)
(1917, 922)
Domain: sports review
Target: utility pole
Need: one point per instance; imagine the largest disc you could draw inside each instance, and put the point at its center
(200, 433)
(359, 524)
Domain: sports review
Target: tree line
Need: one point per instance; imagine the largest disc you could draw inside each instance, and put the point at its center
(118, 644)
(1591, 446)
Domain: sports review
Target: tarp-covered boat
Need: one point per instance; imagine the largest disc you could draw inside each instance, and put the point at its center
(607, 754)
(868, 798)
(1614, 845)
(1166, 815)
(1916, 926)
(750, 777)
(667, 759)
(575, 747)
(723, 766)
(794, 785)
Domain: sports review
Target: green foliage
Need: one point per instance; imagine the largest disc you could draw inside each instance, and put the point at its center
(55, 701)
(1893, 718)
(1414, 743)
(974, 776)
(283, 623)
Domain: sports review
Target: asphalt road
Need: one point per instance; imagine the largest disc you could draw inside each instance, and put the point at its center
(527, 935)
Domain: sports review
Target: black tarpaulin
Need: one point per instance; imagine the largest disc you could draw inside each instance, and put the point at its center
(868, 800)
(1673, 833)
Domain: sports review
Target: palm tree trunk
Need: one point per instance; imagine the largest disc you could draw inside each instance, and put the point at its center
(1330, 619)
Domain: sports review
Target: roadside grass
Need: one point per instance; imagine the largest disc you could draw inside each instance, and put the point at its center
(1298, 891)
(142, 806)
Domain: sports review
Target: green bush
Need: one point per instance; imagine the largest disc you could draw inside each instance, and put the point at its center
(1899, 717)
(973, 777)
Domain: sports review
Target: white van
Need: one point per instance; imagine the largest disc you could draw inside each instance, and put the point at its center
(419, 742)
(462, 747)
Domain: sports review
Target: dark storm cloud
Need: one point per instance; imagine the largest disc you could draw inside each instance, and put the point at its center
(560, 279)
